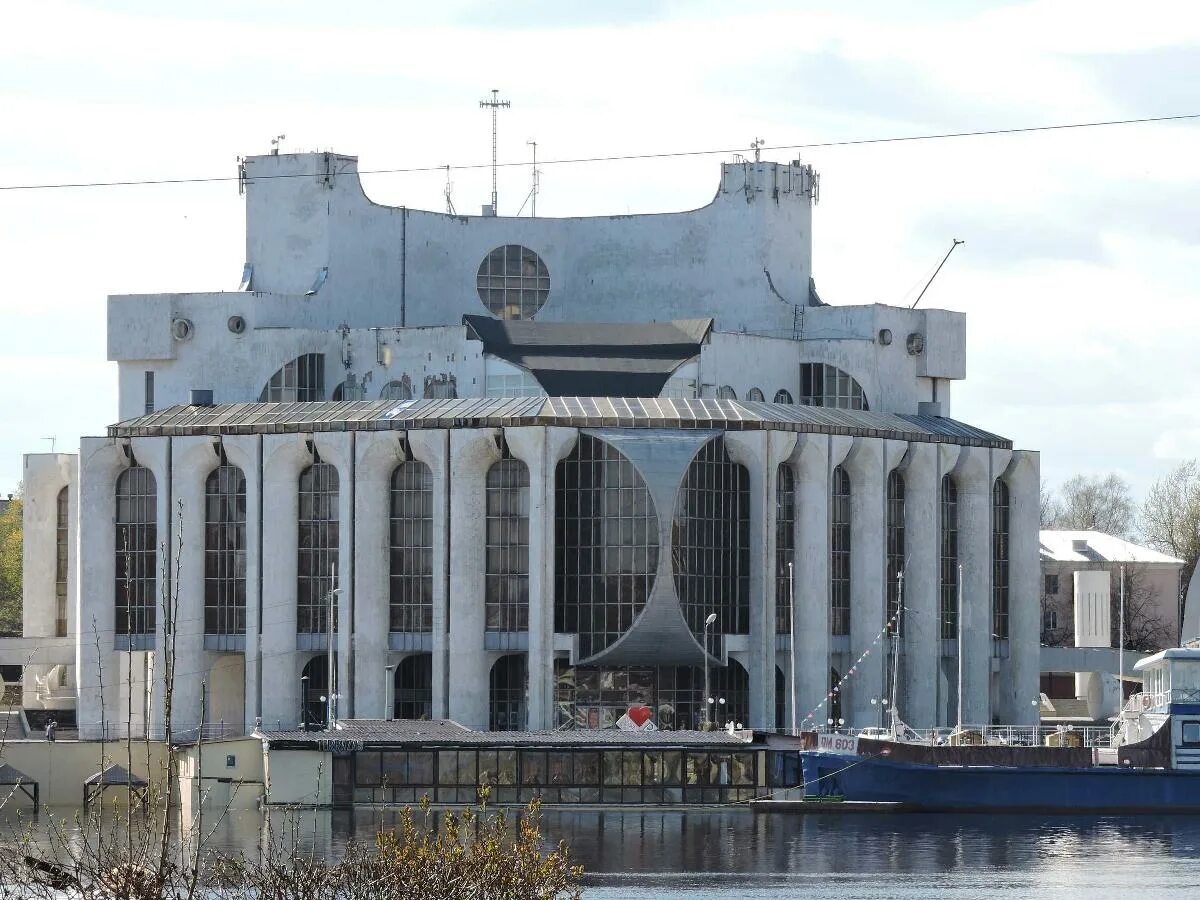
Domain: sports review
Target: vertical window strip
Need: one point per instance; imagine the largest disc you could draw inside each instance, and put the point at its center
(61, 558)
(508, 684)
(949, 568)
(225, 551)
(785, 546)
(1000, 551)
(506, 572)
(136, 551)
(317, 548)
(414, 687)
(411, 549)
(895, 543)
(839, 554)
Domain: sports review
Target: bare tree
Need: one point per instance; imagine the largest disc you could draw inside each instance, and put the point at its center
(1092, 503)
(1170, 517)
(1146, 628)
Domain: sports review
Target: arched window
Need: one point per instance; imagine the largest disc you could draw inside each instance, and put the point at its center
(606, 547)
(785, 547)
(711, 542)
(895, 543)
(299, 381)
(725, 392)
(513, 282)
(506, 572)
(755, 394)
(136, 551)
(61, 558)
(839, 553)
(782, 396)
(949, 568)
(350, 389)
(825, 385)
(225, 551)
(411, 549)
(317, 553)
(1000, 523)
(508, 683)
(396, 390)
(414, 687)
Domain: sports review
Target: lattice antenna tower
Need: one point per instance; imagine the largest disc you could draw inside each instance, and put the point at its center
(537, 180)
(446, 192)
(494, 104)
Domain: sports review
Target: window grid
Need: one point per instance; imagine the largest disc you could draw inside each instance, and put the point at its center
(149, 392)
(895, 544)
(225, 551)
(517, 384)
(300, 381)
(506, 573)
(785, 546)
(949, 567)
(414, 687)
(679, 389)
(755, 394)
(317, 550)
(60, 563)
(396, 390)
(513, 282)
(782, 396)
(839, 553)
(606, 545)
(508, 684)
(826, 385)
(725, 392)
(711, 542)
(410, 580)
(1000, 524)
(136, 551)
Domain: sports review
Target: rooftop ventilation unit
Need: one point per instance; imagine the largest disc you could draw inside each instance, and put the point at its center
(1080, 545)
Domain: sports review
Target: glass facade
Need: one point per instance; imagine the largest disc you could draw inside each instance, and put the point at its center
(61, 557)
(136, 551)
(839, 553)
(506, 573)
(785, 546)
(894, 540)
(1000, 522)
(414, 687)
(410, 576)
(948, 608)
(317, 551)
(556, 774)
(825, 385)
(596, 697)
(513, 282)
(606, 545)
(711, 542)
(508, 687)
(225, 551)
(299, 381)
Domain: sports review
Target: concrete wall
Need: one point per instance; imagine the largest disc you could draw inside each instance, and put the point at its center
(302, 777)
(61, 767)
(220, 785)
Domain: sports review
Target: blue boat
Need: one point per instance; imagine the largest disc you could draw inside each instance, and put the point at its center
(1151, 764)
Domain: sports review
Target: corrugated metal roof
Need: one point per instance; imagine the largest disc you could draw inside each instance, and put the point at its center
(580, 412)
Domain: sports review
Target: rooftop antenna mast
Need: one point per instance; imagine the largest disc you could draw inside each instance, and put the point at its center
(536, 180)
(449, 202)
(756, 145)
(955, 243)
(494, 104)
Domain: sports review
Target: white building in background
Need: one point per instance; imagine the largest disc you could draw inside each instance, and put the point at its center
(526, 459)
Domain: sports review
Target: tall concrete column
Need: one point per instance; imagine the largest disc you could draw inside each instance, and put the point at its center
(541, 448)
(472, 453)
(284, 457)
(243, 451)
(868, 465)
(1023, 476)
(338, 449)
(432, 447)
(761, 452)
(973, 477)
(919, 621)
(813, 459)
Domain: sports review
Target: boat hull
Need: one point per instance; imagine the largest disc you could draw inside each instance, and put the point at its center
(946, 788)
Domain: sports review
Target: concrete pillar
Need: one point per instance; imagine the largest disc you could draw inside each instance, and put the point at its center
(541, 448)
(813, 459)
(472, 452)
(919, 621)
(868, 465)
(243, 451)
(761, 452)
(1023, 476)
(433, 448)
(284, 457)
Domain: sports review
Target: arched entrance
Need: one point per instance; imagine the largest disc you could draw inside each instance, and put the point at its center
(314, 685)
(414, 687)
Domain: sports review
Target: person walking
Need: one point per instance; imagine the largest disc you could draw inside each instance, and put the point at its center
(51, 730)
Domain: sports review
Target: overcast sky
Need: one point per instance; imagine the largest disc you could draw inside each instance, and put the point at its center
(1078, 275)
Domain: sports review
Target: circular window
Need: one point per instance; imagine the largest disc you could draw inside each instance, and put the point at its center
(513, 282)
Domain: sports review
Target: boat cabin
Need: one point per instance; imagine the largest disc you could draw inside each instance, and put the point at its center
(1170, 694)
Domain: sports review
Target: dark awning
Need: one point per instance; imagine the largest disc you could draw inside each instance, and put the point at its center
(593, 359)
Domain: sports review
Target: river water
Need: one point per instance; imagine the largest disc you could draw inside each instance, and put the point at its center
(723, 855)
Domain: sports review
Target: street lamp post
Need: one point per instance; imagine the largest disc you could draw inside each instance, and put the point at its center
(304, 702)
(388, 708)
(712, 617)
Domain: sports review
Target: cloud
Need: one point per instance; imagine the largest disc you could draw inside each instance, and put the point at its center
(1153, 82)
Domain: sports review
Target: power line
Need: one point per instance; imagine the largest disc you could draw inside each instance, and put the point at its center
(627, 157)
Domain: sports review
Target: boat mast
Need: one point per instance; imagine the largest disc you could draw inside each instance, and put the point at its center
(893, 711)
(1121, 647)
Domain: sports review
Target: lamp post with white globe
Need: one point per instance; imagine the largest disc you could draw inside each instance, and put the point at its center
(712, 617)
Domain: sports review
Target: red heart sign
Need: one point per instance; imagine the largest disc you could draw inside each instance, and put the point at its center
(639, 715)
